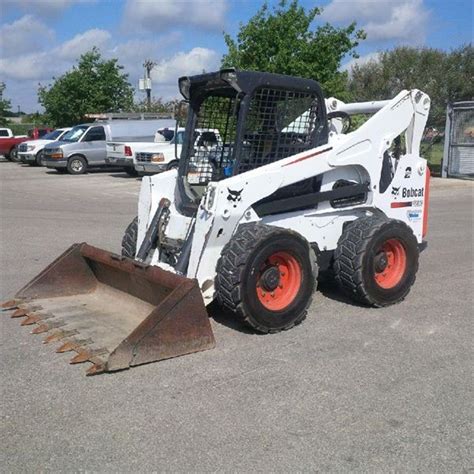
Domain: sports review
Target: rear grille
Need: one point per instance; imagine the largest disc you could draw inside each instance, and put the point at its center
(23, 147)
(143, 157)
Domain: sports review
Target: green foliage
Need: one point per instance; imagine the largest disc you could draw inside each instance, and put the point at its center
(95, 85)
(284, 41)
(5, 106)
(444, 76)
(158, 105)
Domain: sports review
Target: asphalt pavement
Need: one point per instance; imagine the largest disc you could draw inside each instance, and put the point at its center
(350, 389)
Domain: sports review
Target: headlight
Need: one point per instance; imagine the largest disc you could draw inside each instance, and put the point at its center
(30, 147)
(157, 158)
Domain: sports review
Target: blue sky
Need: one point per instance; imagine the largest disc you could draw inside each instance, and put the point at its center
(40, 39)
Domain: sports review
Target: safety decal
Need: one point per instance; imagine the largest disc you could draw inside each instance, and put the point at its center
(414, 215)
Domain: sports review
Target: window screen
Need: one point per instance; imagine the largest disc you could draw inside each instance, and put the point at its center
(280, 123)
(214, 140)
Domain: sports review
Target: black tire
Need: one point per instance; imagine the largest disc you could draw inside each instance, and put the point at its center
(76, 165)
(129, 240)
(173, 165)
(13, 155)
(39, 158)
(240, 276)
(362, 265)
(131, 172)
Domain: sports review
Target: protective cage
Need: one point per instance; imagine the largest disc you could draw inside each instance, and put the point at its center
(247, 120)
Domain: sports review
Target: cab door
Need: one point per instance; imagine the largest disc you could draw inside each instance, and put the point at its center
(94, 144)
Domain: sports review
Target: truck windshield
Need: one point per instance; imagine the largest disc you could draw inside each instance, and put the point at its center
(53, 135)
(75, 133)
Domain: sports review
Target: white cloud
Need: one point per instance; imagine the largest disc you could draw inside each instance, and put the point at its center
(185, 63)
(402, 20)
(157, 16)
(42, 8)
(83, 42)
(360, 61)
(25, 35)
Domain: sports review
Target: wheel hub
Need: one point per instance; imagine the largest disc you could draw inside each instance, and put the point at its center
(381, 262)
(270, 278)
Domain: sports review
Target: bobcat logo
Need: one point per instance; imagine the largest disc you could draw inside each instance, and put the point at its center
(234, 196)
(408, 172)
(395, 191)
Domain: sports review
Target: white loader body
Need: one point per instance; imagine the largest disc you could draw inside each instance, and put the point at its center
(356, 157)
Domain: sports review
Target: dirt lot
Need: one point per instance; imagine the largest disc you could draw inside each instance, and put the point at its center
(351, 389)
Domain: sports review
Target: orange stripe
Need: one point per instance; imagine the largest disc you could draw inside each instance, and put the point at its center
(425, 202)
(308, 156)
(396, 205)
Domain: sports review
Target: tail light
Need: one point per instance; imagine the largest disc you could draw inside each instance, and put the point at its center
(128, 151)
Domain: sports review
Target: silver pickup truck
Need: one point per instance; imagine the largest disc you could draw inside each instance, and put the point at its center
(84, 146)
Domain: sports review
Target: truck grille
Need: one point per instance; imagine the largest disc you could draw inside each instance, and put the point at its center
(23, 147)
(143, 157)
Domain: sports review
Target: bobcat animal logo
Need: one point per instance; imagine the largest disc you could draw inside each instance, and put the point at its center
(395, 191)
(408, 172)
(234, 196)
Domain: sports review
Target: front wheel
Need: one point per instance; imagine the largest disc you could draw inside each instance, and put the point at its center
(173, 165)
(376, 260)
(76, 165)
(13, 155)
(266, 275)
(129, 240)
(39, 158)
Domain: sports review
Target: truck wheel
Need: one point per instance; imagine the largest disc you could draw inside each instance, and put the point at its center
(76, 165)
(129, 241)
(13, 155)
(131, 172)
(39, 158)
(173, 165)
(376, 260)
(266, 275)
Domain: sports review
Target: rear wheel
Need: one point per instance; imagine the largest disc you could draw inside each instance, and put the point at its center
(267, 276)
(13, 155)
(129, 241)
(376, 260)
(131, 171)
(76, 165)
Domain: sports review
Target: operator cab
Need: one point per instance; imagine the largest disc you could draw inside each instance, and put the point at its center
(252, 119)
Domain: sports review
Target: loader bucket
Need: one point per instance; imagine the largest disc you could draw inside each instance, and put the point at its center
(112, 311)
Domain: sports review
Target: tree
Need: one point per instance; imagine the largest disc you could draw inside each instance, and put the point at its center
(444, 76)
(5, 106)
(95, 85)
(284, 41)
(157, 105)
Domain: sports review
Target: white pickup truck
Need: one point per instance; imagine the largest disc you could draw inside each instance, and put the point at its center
(31, 152)
(165, 156)
(121, 154)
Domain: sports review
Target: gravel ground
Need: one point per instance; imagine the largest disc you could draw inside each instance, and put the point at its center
(351, 389)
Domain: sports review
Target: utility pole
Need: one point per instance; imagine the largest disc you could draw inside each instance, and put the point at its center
(148, 65)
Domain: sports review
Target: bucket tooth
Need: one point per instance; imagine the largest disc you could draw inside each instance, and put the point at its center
(67, 347)
(96, 368)
(74, 345)
(31, 319)
(84, 355)
(20, 313)
(58, 335)
(41, 329)
(10, 304)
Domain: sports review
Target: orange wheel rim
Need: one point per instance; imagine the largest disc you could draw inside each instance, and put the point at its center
(285, 275)
(391, 264)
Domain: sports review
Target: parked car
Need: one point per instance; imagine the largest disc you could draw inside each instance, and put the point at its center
(120, 154)
(9, 142)
(84, 146)
(31, 152)
(165, 156)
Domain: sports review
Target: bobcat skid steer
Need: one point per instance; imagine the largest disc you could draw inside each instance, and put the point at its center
(248, 221)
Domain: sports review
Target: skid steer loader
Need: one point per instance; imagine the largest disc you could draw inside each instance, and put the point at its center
(249, 221)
